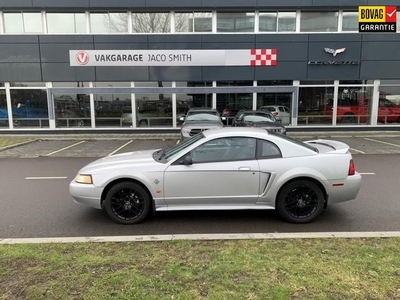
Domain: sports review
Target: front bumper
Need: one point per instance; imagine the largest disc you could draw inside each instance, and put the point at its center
(86, 194)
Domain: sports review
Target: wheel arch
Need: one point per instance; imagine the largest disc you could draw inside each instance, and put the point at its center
(116, 181)
(313, 180)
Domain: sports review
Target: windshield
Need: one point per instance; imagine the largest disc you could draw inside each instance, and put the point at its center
(259, 118)
(203, 116)
(294, 141)
(172, 152)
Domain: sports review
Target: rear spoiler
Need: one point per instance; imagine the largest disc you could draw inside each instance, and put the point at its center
(337, 147)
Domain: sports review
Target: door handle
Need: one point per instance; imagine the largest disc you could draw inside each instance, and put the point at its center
(244, 169)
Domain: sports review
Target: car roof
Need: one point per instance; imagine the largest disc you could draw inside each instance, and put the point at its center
(236, 131)
(202, 109)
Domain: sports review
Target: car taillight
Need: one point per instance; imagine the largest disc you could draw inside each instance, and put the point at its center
(275, 113)
(352, 168)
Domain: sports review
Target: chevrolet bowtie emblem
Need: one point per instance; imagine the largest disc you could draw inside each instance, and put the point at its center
(334, 52)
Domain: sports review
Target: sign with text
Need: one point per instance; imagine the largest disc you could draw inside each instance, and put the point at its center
(377, 18)
(177, 58)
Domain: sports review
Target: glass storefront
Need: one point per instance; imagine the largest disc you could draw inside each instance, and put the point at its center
(72, 110)
(29, 107)
(153, 110)
(315, 105)
(3, 110)
(279, 104)
(389, 102)
(112, 108)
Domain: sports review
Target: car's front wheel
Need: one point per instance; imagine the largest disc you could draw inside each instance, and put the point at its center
(127, 203)
(300, 201)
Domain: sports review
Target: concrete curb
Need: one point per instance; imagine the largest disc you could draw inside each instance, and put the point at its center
(203, 237)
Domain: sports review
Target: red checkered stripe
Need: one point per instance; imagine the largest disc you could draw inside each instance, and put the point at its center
(263, 57)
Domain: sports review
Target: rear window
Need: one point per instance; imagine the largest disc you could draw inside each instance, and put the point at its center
(294, 141)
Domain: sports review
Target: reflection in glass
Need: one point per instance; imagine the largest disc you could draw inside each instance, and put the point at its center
(153, 110)
(235, 22)
(30, 108)
(315, 105)
(268, 21)
(99, 23)
(111, 84)
(193, 22)
(13, 23)
(287, 21)
(33, 22)
(71, 84)
(398, 21)
(354, 105)
(118, 23)
(3, 109)
(279, 104)
(151, 23)
(229, 104)
(113, 110)
(319, 21)
(66, 23)
(27, 84)
(389, 103)
(350, 21)
(72, 110)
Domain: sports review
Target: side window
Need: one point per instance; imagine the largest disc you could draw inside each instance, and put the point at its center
(287, 109)
(225, 149)
(281, 109)
(268, 150)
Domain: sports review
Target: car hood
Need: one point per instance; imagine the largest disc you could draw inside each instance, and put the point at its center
(202, 124)
(128, 159)
(264, 124)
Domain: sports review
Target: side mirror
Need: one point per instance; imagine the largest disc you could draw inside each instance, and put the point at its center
(187, 161)
(278, 121)
(223, 118)
(182, 119)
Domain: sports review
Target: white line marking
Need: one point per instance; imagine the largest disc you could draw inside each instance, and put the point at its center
(170, 237)
(367, 173)
(65, 148)
(362, 152)
(395, 145)
(39, 178)
(116, 150)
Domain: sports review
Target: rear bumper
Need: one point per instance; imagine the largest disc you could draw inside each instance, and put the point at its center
(348, 191)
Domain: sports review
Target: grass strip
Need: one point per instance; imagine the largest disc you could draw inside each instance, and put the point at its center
(237, 269)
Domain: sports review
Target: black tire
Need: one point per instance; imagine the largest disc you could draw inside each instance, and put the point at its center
(143, 123)
(300, 201)
(348, 119)
(127, 203)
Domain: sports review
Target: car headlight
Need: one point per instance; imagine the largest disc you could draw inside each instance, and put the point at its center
(186, 130)
(83, 178)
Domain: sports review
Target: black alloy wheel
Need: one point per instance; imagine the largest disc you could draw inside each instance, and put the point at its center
(127, 203)
(300, 201)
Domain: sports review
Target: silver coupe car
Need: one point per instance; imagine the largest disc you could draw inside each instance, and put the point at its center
(222, 169)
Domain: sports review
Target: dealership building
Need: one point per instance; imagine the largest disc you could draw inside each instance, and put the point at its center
(141, 64)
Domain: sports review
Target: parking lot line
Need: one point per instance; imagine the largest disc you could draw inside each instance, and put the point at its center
(390, 144)
(54, 152)
(359, 151)
(45, 178)
(116, 150)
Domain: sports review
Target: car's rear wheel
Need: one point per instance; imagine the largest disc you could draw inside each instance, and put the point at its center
(127, 203)
(300, 201)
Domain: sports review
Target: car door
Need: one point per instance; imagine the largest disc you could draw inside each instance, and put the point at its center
(224, 172)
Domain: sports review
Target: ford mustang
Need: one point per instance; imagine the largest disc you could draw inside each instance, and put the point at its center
(222, 169)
